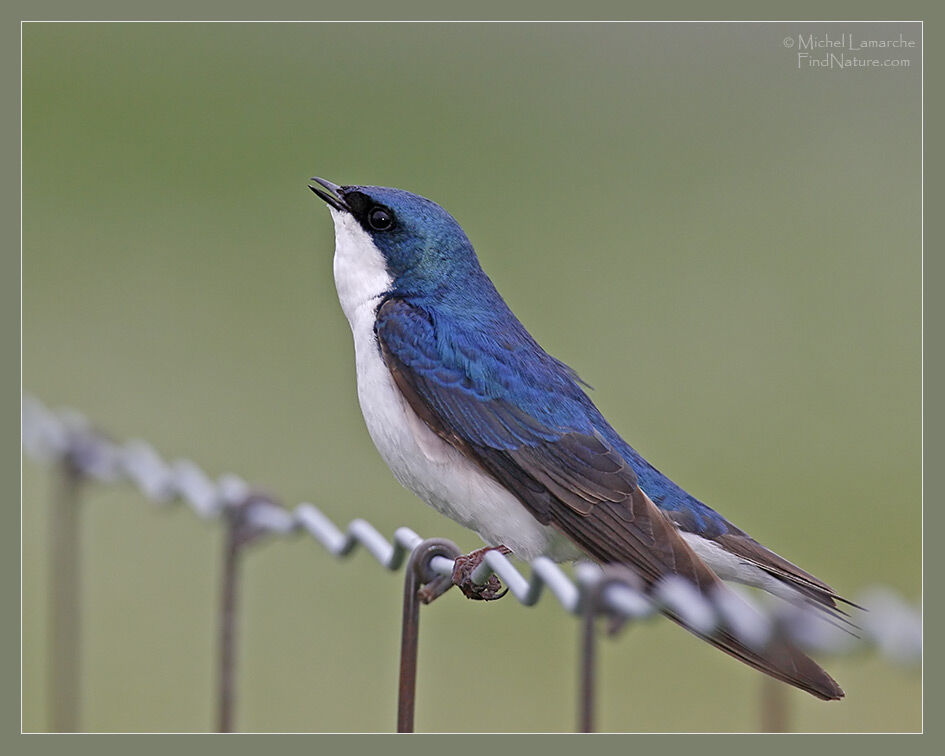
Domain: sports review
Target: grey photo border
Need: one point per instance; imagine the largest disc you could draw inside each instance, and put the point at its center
(17, 13)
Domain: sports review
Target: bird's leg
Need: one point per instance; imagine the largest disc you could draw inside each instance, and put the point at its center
(463, 567)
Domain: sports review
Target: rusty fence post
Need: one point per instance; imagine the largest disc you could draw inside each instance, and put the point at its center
(417, 574)
(228, 596)
(591, 607)
(588, 659)
(774, 705)
(64, 599)
(238, 532)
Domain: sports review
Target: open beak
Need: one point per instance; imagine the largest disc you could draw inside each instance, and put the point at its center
(333, 195)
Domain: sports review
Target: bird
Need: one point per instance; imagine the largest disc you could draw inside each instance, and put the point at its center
(482, 424)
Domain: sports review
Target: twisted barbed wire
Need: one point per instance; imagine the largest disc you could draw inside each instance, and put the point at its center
(892, 626)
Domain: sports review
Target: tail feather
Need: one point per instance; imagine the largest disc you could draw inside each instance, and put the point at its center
(747, 548)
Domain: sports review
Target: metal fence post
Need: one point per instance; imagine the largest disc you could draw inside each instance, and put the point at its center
(591, 604)
(417, 574)
(588, 660)
(64, 601)
(774, 705)
(238, 533)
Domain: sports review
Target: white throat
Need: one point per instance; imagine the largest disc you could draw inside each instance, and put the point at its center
(361, 276)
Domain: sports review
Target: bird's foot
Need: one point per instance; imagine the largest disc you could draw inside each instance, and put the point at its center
(463, 568)
(465, 565)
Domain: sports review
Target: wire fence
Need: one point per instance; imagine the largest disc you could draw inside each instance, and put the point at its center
(66, 440)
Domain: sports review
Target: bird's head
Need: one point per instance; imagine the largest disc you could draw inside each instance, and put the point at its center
(420, 246)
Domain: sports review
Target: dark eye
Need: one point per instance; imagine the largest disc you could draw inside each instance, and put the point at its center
(380, 218)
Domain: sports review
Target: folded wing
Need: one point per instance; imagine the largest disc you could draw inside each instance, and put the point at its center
(555, 462)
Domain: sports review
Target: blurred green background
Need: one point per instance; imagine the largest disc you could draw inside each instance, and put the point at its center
(726, 247)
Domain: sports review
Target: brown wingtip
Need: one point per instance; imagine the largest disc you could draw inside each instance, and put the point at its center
(783, 661)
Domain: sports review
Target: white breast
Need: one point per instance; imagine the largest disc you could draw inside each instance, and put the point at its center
(425, 464)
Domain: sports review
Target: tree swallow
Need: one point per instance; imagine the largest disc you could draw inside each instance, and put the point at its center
(474, 417)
